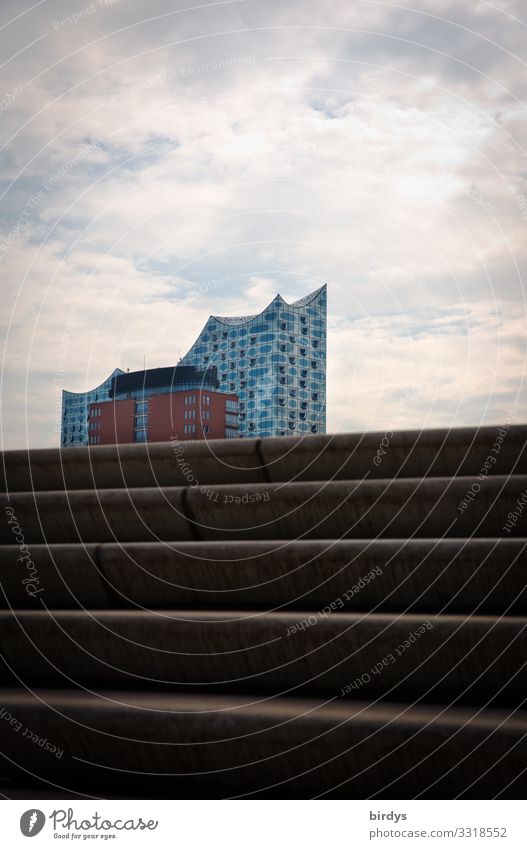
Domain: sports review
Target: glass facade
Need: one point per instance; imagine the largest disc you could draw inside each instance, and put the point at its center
(75, 408)
(274, 361)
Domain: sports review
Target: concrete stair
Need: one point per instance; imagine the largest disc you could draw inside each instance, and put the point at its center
(342, 616)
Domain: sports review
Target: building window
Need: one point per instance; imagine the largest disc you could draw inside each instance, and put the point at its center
(141, 422)
(140, 436)
(141, 407)
(230, 419)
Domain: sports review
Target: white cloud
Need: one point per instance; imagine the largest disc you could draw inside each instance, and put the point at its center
(200, 161)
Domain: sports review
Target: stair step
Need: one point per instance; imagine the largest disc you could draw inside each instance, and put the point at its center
(475, 575)
(409, 657)
(400, 508)
(441, 452)
(207, 746)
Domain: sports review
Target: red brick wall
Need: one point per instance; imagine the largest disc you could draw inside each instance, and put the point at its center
(115, 424)
(166, 417)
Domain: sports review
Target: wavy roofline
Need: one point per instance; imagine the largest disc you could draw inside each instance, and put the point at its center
(116, 371)
(245, 319)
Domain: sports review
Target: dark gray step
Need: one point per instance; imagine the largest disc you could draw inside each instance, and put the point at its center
(415, 453)
(401, 656)
(172, 745)
(436, 575)
(399, 508)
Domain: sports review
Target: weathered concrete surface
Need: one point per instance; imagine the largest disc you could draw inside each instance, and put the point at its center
(406, 657)
(467, 575)
(118, 466)
(436, 452)
(105, 515)
(217, 746)
(244, 654)
(399, 508)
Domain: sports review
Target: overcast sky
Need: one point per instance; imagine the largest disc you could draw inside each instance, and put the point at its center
(163, 161)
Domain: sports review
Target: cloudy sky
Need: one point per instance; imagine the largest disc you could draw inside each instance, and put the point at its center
(163, 161)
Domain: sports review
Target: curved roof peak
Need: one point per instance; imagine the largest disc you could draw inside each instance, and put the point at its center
(114, 373)
(308, 298)
(244, 319)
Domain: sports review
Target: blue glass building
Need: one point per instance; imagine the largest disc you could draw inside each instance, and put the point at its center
(274, 361)
(75, 407)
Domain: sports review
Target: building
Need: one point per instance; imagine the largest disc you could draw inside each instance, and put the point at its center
(75, 405)
(274, 361)
(156, 405)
